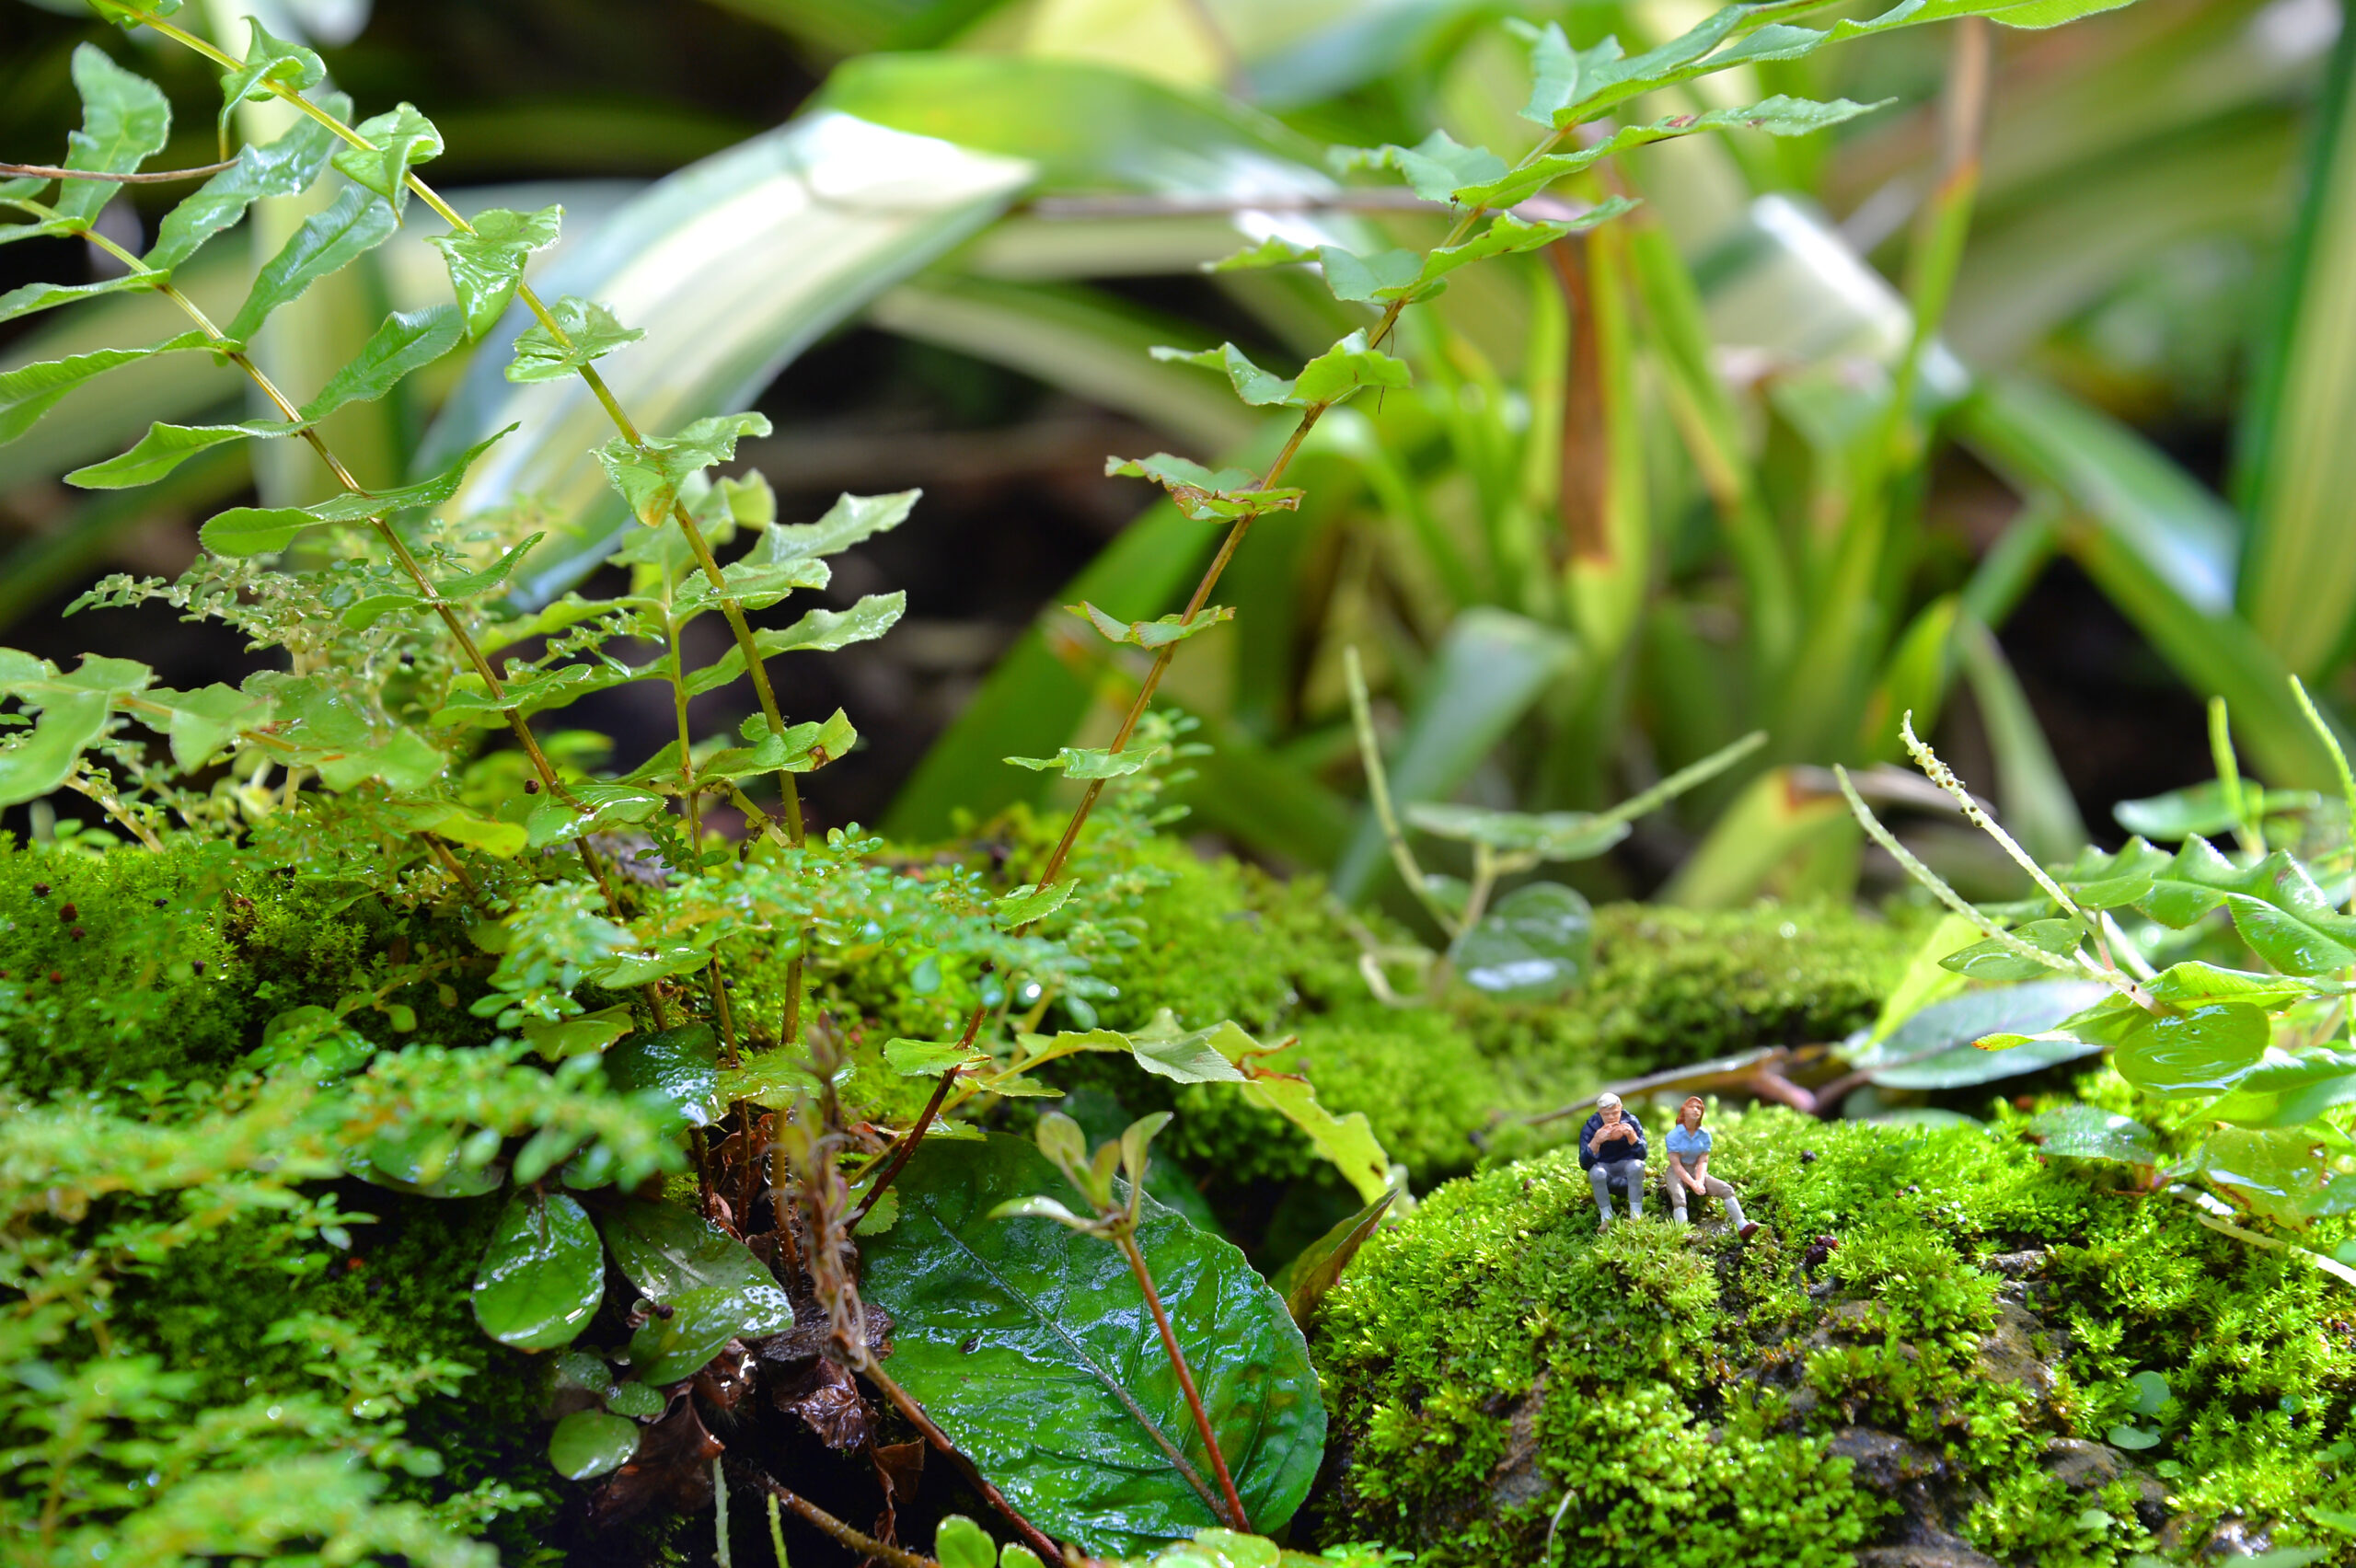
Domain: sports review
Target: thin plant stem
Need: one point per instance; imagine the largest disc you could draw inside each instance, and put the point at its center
(158, 176)
(777, 1531)
(860, 1541)
(1038, 1539)
(908, 1147)
(1378, 791)
(719, 1516)
(1127, 1242)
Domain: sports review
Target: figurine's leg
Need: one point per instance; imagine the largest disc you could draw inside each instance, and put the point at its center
(1636, 1170)
(1725, 1194)
(1676, 1196)
(1599, 1177)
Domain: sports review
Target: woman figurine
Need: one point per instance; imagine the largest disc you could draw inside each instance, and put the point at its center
(1688, 1168)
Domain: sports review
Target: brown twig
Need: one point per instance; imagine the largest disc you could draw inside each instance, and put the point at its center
(1038, 1540)
(907, 1146)
(858, 1541)
(1129, 1249)
(160, 176)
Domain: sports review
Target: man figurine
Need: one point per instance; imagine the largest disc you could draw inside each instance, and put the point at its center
(1612, 1148)
(1689, 1170)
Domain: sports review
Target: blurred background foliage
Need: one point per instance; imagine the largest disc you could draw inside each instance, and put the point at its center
(1743, 461)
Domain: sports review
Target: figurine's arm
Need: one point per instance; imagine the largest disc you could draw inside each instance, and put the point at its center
(1698, 1178)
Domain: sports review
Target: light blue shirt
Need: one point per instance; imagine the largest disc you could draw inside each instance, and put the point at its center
(1687, 1148)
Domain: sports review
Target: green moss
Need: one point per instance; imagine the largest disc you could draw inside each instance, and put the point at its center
(1701, 1400)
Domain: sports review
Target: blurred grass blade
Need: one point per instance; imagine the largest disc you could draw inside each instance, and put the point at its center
(2034, 799)
(2160, 548)
(2297, 460)
(1488, 669)
(1778, 838)
(73, 549)
(1080, 340)
(732, 267)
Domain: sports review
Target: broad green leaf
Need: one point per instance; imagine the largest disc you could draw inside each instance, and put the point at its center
(1201, 493)
(1990, 960)
(818, 631)
(636, 1399)
(285, 167)
(1274, 251)
(650, 474)
(1534, 943)
(2152, 1392)
(424, 1158)
(2289, 1090)
(2134, 1439)
(250, 530)
(468, 702)
(2286, 1174)
(929, 1058)
(1777, 116)
(1161, 1048)
(852, 520)
(2275, 905)
(1080, 762)
(679, 1066)
(399, 137)
(1937, 1047)
(486, 260)
(125, 121)
(754, 583)
(1550, 836)
(1507, 234)
(1330, 377)
(803, 748)
(543, 1275)
(556, 1039)
(590, 1442)
(33, 297)
(2089, 1131)
(1028, 904)
(590, 334)
(164, 448)
(2191, 983)
(1385, 276)
(268, 60)
(367, 612)
(35, 764)
(124, 15)
(960, 1543)
(1306, 1280)
(674, 1345)
(1436, 167)
(203, 720)
(355, 224)
(2180, 813)
(1029, 1345)
(407, 340)
(1156, 634)
(2201, 1052)
(667, 1251)
(31, 390)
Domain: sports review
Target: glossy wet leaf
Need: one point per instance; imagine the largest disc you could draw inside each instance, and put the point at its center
(1935, 1048)
(1030, 902)
(355, 224)
(929, 1058)
(31, 391)
(667, 1251)
(1021, 1339)
(399, 138)
(1083, 762)
(591, 333)
(960, 1543)
(590, 1442)
(250, 530)
(1534, 943)
(2191, 983)
(2275, 905)
(2287, 1090)
(269, 60)
(486, 261)
(635, 1399)
(702, 1319)
(125, 121)
(2089, 1131)
(543, 1275)
(681, 1067)
(285, 167)
(2201, 1052)
(407, 340)
(1201, 493)
(1992, 960)
(2286, 1174)
(1153, 635)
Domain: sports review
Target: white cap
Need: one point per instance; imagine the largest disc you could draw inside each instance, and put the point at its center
(1607, 1101)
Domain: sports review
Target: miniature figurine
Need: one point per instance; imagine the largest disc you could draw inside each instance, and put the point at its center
(1689, 1170)
(1612, 1152)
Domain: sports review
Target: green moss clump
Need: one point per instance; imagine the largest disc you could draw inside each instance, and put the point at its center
(1947, 1373)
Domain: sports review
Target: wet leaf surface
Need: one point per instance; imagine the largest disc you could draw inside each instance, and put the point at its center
(543, 1275)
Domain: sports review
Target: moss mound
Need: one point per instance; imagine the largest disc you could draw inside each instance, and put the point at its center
(1939, 1383)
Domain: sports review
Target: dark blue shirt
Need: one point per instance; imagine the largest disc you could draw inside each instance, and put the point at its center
(1619, 1149)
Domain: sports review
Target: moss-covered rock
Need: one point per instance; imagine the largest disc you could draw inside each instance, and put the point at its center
(1943, 1375)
